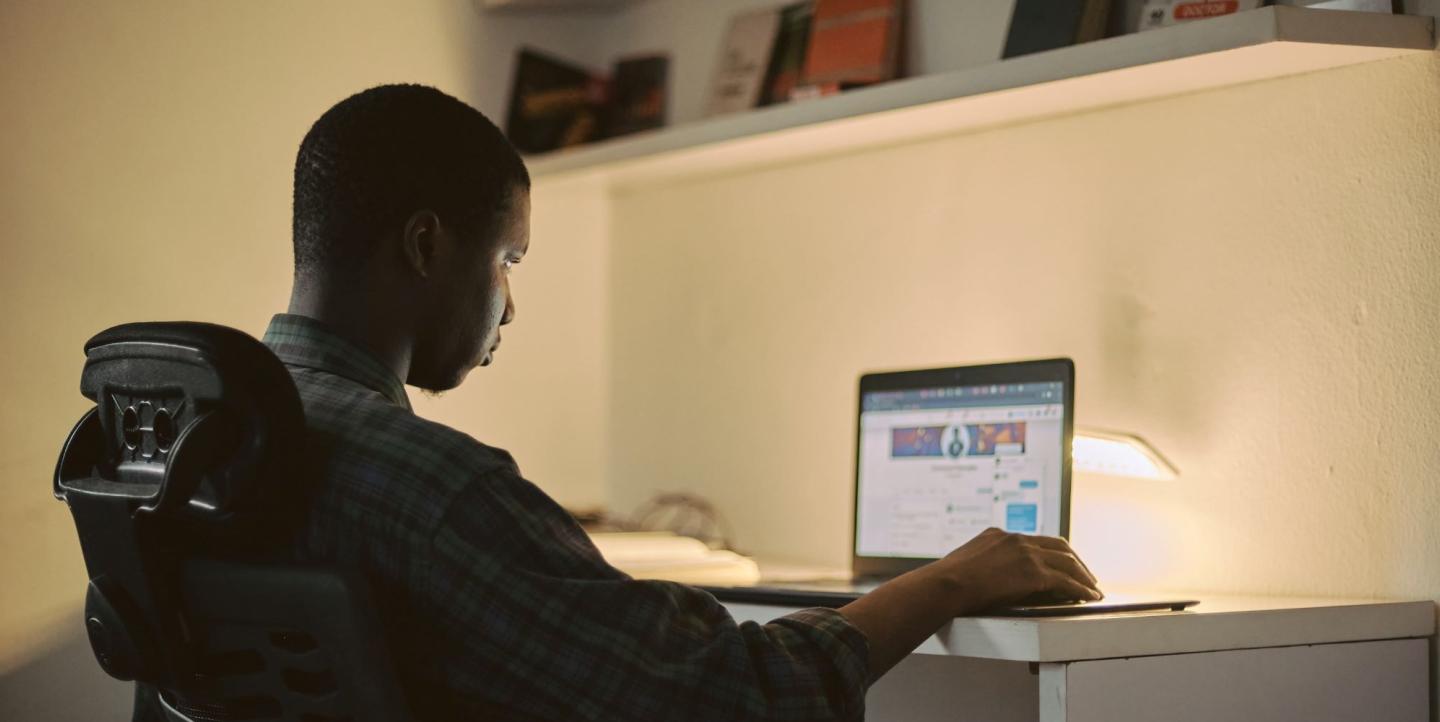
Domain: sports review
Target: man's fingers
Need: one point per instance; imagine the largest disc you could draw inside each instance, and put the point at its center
(1049, 542)
(1060, 545)
(1067, 587)
(1069, 564)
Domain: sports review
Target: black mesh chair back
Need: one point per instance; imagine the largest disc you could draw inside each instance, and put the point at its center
(185, 483)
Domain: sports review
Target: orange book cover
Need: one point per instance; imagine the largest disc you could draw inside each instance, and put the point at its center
(853, 41)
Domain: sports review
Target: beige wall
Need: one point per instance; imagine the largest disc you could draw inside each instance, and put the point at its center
(1248, 277)
(145, 159)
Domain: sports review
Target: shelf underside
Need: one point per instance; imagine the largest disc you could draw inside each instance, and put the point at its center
(1267, 43)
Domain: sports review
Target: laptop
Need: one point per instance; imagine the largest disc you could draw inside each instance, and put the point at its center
(940, 456)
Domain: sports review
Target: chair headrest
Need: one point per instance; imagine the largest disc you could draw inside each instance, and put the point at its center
(195, 420)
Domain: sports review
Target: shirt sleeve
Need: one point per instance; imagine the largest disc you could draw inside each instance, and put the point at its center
(545, 629)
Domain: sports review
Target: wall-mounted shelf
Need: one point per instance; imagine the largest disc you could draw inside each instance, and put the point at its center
(521, 6)
(1267, 43)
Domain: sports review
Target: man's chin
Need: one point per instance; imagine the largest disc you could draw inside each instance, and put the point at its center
(435, 387)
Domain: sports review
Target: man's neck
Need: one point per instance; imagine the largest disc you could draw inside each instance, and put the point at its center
(356, 319)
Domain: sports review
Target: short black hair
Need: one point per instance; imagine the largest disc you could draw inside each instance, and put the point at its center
(378, 156)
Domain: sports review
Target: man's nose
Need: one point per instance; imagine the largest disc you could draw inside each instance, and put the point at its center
(509, 314)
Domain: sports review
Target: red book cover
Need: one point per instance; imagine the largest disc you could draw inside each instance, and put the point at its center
(853, 42)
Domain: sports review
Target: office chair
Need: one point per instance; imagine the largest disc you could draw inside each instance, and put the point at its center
(185, 484)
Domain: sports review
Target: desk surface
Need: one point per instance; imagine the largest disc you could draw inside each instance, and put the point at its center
(1219, 622)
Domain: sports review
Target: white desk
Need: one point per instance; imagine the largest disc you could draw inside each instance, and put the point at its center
(1230, 658)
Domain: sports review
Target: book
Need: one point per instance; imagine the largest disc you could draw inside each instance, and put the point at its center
(1161, 13)
(553, 104)
(1039, 25)
(744, 60)
(637, 95)
(670, 557)
(787, 60)
(852, 43)
(1125, 17)
(1362, 6)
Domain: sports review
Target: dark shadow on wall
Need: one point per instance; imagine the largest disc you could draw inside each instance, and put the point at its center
(64, 684)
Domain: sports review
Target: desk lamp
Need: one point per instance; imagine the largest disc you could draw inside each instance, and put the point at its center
(1115, 453)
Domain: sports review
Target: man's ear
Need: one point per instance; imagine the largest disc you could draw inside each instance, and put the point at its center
(420, 242)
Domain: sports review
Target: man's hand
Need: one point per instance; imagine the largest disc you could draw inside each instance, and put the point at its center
(998, 568)
(993, 569)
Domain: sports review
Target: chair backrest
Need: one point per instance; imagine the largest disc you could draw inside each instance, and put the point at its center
(185, 482)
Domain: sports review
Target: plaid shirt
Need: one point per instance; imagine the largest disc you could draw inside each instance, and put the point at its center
(497, 606)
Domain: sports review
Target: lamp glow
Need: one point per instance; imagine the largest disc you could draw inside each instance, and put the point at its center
(1118, 454)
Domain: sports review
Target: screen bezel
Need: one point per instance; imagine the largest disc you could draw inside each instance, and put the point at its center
(1016, 372)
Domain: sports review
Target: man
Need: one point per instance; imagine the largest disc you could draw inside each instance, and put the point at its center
(411, 210)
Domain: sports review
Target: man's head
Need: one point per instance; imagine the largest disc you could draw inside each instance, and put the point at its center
(412, 205)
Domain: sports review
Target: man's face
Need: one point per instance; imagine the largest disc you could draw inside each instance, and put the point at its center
(469, 302)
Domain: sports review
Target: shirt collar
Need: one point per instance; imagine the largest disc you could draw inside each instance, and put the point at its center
(307, 342)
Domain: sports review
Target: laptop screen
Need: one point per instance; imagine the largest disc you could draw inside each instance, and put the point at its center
(939, 465)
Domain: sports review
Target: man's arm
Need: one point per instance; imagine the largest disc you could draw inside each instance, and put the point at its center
(992, 569)
(533, 624)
